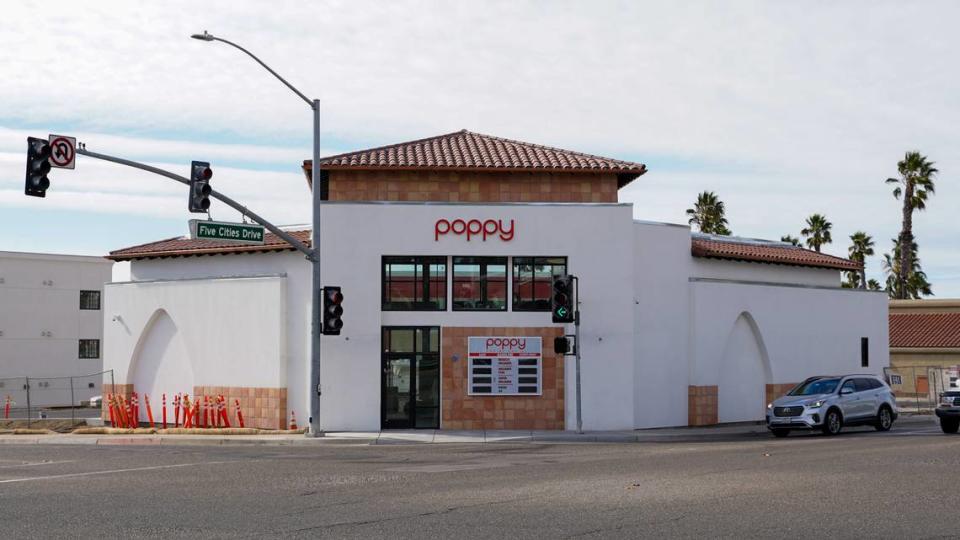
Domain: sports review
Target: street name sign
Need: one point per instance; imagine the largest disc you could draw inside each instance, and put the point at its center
(238, 233)
(63, 151)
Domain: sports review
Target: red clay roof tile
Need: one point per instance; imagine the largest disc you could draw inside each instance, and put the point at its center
(925, 330)
(765, 251)
(465, 150)
(180, 246)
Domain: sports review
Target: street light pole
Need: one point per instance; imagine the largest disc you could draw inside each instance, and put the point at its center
(315, 325)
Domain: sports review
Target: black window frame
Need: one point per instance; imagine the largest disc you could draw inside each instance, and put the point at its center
(86, 293)
(83, 353)
(514, 276)
(483, 262)
(864, 352)
(424, 303)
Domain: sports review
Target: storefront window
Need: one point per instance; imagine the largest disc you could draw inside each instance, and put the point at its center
(414, 283)
(479, 283)
(532, 281)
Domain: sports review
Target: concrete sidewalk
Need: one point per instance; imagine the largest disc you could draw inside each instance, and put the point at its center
(722, 433)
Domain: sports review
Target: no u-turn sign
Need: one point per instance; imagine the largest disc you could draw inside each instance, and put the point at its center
(63, 151)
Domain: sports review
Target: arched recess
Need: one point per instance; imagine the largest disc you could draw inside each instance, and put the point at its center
(160, 364)
(744, 373)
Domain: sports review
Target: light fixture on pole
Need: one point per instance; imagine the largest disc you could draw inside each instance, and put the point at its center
(317, 288)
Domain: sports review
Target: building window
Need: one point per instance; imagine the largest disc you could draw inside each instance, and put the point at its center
(414, 284)
(533, 281)
(480, 283)
(89, 348)
(89, 299)
(864, 352)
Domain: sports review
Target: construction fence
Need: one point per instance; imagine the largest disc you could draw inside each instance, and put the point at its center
(918, 389)
(72, 398)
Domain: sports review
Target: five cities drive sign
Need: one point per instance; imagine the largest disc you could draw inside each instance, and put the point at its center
(240, 233)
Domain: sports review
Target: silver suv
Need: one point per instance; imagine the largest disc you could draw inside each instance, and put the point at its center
(829, 403)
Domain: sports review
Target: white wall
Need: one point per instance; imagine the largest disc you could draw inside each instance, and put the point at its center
(41, 324)
(770, 273)
(168, 336)
(661, 308)
(805, 331)
(596, 238)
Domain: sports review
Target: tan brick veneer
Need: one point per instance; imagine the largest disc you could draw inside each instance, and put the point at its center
(471, 186)
(702, 406)
(264, 408)
(774, 391)
(462, 411)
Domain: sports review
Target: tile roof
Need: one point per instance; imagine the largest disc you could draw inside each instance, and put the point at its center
(465, 150)
(184, 246)
(744, 249)
(925, 330)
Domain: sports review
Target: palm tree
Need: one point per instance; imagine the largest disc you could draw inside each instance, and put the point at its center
(708, 214)
(916, 284)
(874, 285)
(817, 231)
(916, 185)
(861, 247)
(790, 239)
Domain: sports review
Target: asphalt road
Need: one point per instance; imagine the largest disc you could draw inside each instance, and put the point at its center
(859, 484)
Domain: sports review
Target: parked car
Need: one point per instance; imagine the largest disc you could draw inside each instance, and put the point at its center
(829, 403)
(949, 411)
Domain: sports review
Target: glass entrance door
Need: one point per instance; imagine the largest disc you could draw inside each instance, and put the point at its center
(410, 378)
(397, 398)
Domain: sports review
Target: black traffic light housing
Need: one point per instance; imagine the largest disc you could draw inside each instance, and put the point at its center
(332, 311)
(561, 345)
(561, 299)
(38, 165)
(200, 175)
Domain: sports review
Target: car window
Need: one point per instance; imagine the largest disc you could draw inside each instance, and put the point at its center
(849, 385)
(863, 385)
(814, 387)
(877, 383)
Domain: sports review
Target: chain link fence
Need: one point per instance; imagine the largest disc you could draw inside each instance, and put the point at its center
(918, 388)
(52, 400)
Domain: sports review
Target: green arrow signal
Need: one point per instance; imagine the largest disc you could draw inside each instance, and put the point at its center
(561, 311)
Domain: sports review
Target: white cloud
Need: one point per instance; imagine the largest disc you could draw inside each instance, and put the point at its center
(811, 103)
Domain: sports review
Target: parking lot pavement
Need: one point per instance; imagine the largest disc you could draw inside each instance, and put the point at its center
(861, 483)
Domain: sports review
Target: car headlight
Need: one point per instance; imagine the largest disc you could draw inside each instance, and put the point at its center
(769, 406)
(816, 404)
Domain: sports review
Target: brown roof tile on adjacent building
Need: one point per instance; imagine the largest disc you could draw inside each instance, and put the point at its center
(765, 251)
(465, 150)
(924, 330)
(182, 246)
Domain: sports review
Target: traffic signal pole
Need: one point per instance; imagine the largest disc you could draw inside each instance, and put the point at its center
(576, 348)
(213, 193)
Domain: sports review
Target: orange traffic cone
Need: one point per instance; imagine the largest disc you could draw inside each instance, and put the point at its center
(293, 420)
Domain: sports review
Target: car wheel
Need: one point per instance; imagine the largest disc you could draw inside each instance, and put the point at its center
(884, 419)
(832, 423)
(780, 432)
(949, 425)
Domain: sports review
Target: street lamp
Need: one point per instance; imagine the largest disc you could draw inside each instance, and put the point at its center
(315, 247)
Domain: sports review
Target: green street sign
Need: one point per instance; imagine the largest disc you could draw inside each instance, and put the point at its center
(239, 233)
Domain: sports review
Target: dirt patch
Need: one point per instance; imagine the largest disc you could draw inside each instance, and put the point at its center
(59, 426)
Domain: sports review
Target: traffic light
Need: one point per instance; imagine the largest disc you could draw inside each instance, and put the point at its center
(332, 311)
(200, 174)
(561, 301)
(38, 165)
(561, 345)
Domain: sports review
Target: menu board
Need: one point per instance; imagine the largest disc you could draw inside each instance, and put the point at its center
(504, 366)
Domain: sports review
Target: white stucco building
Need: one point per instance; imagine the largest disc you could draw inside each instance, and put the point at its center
(51, 326)
(438, 241)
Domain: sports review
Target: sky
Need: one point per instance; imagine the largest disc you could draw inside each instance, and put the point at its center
(784, 109)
